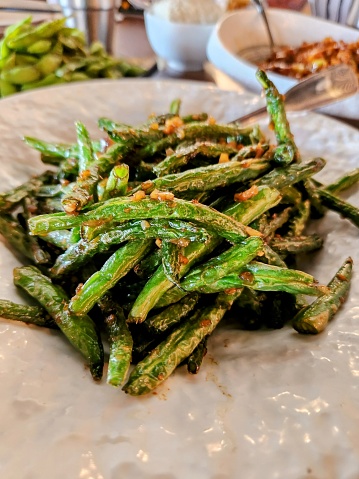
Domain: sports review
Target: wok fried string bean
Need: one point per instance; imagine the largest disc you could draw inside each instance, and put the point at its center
(208, 213)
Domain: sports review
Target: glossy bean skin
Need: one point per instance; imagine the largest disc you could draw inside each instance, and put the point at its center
(117, 266)
(81, 252)
(81, 332)
(127, 209)
(314, 318)
(286, 151)
(121, 342)
(25, 313)
(156, 367)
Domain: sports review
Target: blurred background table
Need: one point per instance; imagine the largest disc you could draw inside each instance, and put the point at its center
(130, 41)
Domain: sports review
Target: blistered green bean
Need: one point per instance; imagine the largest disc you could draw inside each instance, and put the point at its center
(163, 360)
(81, 332)
(82, 251)
(314, 318)
(117, 266)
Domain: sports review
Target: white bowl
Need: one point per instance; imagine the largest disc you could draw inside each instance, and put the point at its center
(182, 45)
(245, 28)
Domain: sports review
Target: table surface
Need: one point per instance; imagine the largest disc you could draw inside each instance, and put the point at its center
(130, 41)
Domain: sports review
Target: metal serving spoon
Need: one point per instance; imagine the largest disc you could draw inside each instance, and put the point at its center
(258, 53)
(326, 87)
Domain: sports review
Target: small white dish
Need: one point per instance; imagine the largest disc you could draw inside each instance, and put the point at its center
(245, 28)
(181, 45)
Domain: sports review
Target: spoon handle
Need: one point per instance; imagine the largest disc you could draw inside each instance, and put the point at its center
(323, 88)
(259, 4)
(327, 86)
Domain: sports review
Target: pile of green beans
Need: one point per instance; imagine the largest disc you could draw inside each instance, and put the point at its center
(34, 56)
(149, 237)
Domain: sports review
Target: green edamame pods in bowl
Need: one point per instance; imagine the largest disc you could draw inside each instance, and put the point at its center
(50, 53)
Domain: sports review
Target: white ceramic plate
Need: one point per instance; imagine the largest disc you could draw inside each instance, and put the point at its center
(245, 28)
(266, 404)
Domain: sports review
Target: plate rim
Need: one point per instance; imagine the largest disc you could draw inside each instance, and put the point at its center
(130, 440)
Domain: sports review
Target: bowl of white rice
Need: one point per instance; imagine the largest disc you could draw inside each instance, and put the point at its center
(178, 31)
